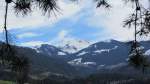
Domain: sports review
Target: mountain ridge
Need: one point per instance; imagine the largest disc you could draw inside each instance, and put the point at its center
(109, 56)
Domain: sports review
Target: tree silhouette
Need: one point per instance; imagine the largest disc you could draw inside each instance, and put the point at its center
(24, 7)
(137, 58)
(103, 3)
(140, 19)
(8, 54)
(20, 65)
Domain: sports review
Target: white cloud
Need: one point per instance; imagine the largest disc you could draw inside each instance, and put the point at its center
(112, 20)
(32, 43)
(27, 34)
(36, 19)
(62, 34)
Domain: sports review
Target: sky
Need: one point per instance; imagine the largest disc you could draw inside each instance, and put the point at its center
(75, 21)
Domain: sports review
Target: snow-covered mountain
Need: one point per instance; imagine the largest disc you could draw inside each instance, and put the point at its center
(68, 47)
(72, 46)
(105, 54)
(50, 50)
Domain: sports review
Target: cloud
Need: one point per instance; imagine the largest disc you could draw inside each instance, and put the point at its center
(32, 43)
(112, 20)
(36, 19)
(62, 34)
(64, 37)
(27, 35)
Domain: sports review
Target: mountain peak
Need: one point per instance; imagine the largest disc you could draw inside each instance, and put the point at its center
(73, 46)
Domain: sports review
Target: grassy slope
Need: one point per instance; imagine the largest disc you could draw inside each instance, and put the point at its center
(6, 82)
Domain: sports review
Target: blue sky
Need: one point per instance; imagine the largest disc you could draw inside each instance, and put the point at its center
(78, 21)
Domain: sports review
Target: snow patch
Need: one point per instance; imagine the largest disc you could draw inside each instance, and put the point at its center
(147, 52)
(82, 53)
(100, 51)
(89, 63)
(95, 46)
(110, 67)
(105, 50)
(116, 66)
(78, 62)
(61, 53)
(101, 66)
(75, 61)
(70, 49)
(107, 41)
(36, 49)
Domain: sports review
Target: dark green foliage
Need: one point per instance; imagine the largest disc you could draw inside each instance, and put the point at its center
(102, 78)
(131, 1)
(41, 63)
(9, 58)
(137, 58)
(145, 30)
(103, 3)
(20, 65)
(46, 6)
(23, 6)
(141, 17)
(8, 1)
(17, 64)
(129, 21)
